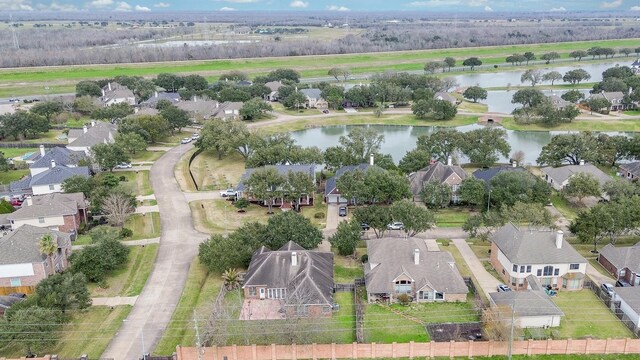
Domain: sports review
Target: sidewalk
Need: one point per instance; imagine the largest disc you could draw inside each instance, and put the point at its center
(114, 301)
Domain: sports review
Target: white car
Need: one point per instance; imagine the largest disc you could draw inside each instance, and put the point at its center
(123, 166)
(195, 137)
(395, 226)
(228, 193)
(185, 141)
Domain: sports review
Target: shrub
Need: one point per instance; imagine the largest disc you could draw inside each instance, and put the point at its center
(404, 299)
(319, 215)
(125, 233)
(444, 242)
(96, 261)
(364, 258)
(123, 178)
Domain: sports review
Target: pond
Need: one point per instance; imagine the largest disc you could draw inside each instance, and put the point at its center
(399, 139)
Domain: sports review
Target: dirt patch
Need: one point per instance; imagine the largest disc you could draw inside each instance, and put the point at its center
(455, 332)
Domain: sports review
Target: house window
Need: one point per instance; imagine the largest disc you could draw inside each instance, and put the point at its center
(503, 272)
(16, 282)
(276, 293)
(623, 272)
(52, 187)
(41, 220)
(425, 295)
(574, 266)
(439, 296)
(252, 291)
(548, 270)
(556, 272)
(528, 268)
(515, 268)
(513, 281)
(326, 310)
(522, 268)
(454, 188)
(403, 287)
(539, 272)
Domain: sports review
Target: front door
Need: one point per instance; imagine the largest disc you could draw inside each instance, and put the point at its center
(262, 293)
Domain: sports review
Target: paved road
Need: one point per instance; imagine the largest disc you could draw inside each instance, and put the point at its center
(178, 247)
(487, 282)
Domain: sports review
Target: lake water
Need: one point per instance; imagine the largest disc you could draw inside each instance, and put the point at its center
(400, 139)
(179, 43)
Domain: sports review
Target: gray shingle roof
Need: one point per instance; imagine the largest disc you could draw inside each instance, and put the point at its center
(21, 246)
(527, 302)
(630, 295)
(633, 167)
(534, 246)
(441, 95)
(562, 173)
(161, 95)
(71, 200)
(435, 172)
(611, 96)
(311, 280)
(204, 108)
(58, 175)
(487, 174)
(100, 133)
(282, 170)
(312, 93)
(332, 182)
(274, 85)
(623, 257)
(61, 155)
(558, 102)
(45, 207)
(391, 257)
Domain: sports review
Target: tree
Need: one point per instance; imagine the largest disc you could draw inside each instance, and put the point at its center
(284, 74)
(509, 187)
(441, 144)
(131, 142)
(266, 185)
(550, 56)
(291, 226)
(78, 183)
(484, 146)
(359, 144)
(475, 93)
(572, 96)
(255, 108)
(294, 101)
(298, 184)
(195, 82)
(169, 82)
(176, 118)
(220, 253)
(225, 136)
(436, 195)
(376, 216)
(84, 105)
(241, 204)
(48, 246)
(529, 56)
(610, 85)
(415, 218)
(98, 260)
(234, 76)
(23, 125)
(34, 329)
(597, 104)
(582, 185)
(528, 97)
(432, 66)
(552, 76)
(496, 322)
(113, 112)
(48, 109)
(334, 95)
(107, 156)
(534, 76)
(88, 88)
(414, 160)
(613, 148)
(443, 110)
(569, 148)
(619, 188)
(472, 62)
(473, 191)
(63, 292)
(574, 77)
(117, 208)
(231, 279)
(450, 62)
(421, 108)
(346, 237)
(6, 207)
(578, 54)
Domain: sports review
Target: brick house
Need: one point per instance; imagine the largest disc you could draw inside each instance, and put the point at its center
(406, 266)
(294, 281)
(631, 171)
(518, 253)
(622, 262)
(59, 211)
(450, 174)
(22, 263)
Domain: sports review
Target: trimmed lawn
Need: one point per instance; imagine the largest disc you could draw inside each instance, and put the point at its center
(383, 326)
(218, 216)
(344, 320)
(586, 316)
(453, 216)
(129, 280)
(92, 330)
(137, 181)
(143, 226)
(470, 106)
(15, 152)
(146, 156)
(318, 207)
(278, 107)
(83, 239)
(213, 174)
(175, 138)
(182, 172)
(199, 293)
(346, 270)
(12, 175)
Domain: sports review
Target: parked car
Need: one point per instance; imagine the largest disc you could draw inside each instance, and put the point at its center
(123, 166)
(185, 141)
(18, 295)
(622, 283)
(228, 193)
(342, 211)
(325, 111)
(395, 226)
(195, 137)
(365, 226)
(607, 288)
(503, 288)
(15, 202)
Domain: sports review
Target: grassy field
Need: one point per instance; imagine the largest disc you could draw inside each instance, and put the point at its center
(213, 174)
(318, 207)
(12, 175)
(137, 181)
(630, 125)
(129, 280)
(198, 294)
(146, 156)
(143, 227)
(452, 217)
(344, 320)
(586, 316)
(440, 312)
(15, 152)
(218, 216)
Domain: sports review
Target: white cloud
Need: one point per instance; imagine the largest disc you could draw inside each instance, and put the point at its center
(142, 8)
(635, 8)
(226, 8)
(62, 7)
(239, 1)
(123, 6)
(477, 2)
(100, 3)
(299, 4)
(433, 3)
(162, 5)
(337, 8)
(611, 5)
(558, 9)
(15, 5)
(488, 8)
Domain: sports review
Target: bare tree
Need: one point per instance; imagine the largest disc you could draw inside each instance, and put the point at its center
(117, 208)
(497, 322)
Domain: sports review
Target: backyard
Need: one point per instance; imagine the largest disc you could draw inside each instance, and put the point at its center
(218, 216)
(213, 174)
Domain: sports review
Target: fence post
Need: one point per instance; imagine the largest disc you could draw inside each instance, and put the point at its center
(411, 350)
(529, 346)
(314, 355)
(214, 349)
(470, 353)
(354, 350)
(490, 349)
(606, 346)
(587, 345)
(548, 349)
(394, 349)
(373, 350)
(431, 349)
(254, 352)
(273, 351)
(234, 352)
(626, 343)
(566, 348)
(451, 349)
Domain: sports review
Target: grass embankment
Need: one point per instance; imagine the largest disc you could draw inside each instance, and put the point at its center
(146, 156)
(182, 172)
(137, 181)
(129, 280)
(144, 226)
(213, 174)
(219, 216)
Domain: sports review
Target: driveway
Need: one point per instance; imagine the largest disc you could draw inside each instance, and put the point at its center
(487, 282)
(178, 247)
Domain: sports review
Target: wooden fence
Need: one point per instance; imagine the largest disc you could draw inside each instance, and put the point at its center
(17, 289)
(410, 350)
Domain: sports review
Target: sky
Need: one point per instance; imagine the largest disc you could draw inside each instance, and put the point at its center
(323, 5)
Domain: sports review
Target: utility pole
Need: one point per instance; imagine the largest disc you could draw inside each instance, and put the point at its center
(16, 44)
(198, 344)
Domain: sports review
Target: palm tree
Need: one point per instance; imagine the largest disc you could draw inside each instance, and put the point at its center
(48, 247)
(231, 279)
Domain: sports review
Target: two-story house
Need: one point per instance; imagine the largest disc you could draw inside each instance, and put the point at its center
(114, 93)
(332, 194)
(314, 99)
(616, 98)
(98, 133)
(519, 252)
(284, 170)
(449, 174)
(62, 212)
(622, 262)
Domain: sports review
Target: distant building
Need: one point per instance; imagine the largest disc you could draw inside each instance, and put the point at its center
(314, 99)
(622, 262)
(617, 101)
(152, 102)
(558, 102)
(441, 95)
(114, 93)
(99, 132)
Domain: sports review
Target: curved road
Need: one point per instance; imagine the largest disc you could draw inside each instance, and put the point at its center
(179, 241)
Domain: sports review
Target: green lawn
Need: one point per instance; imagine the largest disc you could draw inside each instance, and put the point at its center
(440, 312)
(344, 320)
(211, 173)
(383, 326)
(143, 227)
(218, 216)
(199, 292)
(567, 209)
(586, 316)
(175, 138)
(83, 239)
(464, 269)
(129, 280)
(137, 181)
(452, 217)
(15, 152)
(346, 270)
(12, 175)
(146, 156)
(318, 207)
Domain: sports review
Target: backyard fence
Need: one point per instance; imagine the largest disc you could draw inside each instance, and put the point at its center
(359, 287)
(344, 287)
(17, 289)
(411, 350)
(11, 145)
(614, 306)
(193, 156)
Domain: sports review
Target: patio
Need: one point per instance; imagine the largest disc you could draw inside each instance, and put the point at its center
(267, 309)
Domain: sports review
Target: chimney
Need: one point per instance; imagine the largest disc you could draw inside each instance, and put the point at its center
(449, 161)
(294, 259)
(29, 201)
(53, 163)
(217, 104)
(93, 123)
(84, 129)
(514, 163)
(581, 162)
(109, 85)
(559, 236)
(195, 98)
(155, 94)
(103, 93)
(41, 150)
(371, 159)
(416, 256)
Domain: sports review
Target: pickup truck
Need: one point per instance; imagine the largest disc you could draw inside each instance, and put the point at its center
(228, 192)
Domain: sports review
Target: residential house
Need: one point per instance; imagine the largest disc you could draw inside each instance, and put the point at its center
(41, 161)
(449, 174)
(199, 109)
(530, 308)
(631, 171)
(487, 175)
(616, 98)
(441, 95)
(405, 266)
(557, 102)
(98, 133)
(62, 212)
(629, 298)
(622, 262)
(283, 170)
(7, 301)
(145, 111)
(22, 263)
(152, 102)
(47, 181)
(290, 281)
(635, 66)
(559, 177)
(314, 99)
(331, 192)
(228, 110)
(274, 86)
(114, 93)
(517, 253)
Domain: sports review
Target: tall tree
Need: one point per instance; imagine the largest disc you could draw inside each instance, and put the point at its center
(552, 76)
(484, 146)
(441, 144)
(48, 246)
(534, 76)
(291, 226)
(131, 142)
(528, 97)
(509, 187)
(376, 216)
(436, 195)
(472, 62)
(451, 62)
(107, 156)
(582, 185)
(569, 148)
(48, 109)
(298, 184)
(169, 82)
(416, 218)
(346, 237)
(574, 77)
(117, 208)
(176, 118)
(473, 191)
(475, 93)
(266, 185)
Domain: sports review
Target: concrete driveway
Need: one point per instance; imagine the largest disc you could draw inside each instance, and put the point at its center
(178, 247)
(487, 282)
